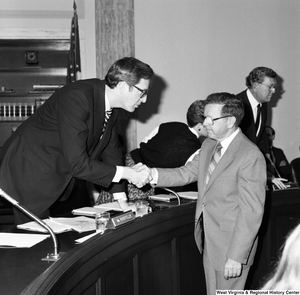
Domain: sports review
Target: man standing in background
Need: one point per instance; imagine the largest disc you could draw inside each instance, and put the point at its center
(261, 85)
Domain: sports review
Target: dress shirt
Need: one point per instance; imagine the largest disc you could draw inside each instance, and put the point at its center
(254, 103)
(119, 169)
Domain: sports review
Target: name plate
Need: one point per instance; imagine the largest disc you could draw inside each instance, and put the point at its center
(120, 220)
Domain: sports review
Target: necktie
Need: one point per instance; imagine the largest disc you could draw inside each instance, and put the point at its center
(257, 117)
(106, 118)
(272, 155)
(214, 161)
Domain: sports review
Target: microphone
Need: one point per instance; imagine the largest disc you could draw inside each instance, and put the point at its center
(50, 257)
(272, 163)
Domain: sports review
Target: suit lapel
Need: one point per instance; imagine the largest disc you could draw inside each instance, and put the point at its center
(98, 117)
(225, 161)
(264, 111)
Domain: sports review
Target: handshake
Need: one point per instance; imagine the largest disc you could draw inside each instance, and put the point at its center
(139, 174)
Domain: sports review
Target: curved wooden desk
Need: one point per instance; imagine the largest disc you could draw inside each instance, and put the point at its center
(155, 254)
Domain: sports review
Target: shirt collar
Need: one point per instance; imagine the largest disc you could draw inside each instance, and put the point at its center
(107, 104)
(252, 100)
(227, 141)
(194, 131)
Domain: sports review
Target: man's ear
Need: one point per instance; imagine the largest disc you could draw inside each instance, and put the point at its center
(122, 86)
(231, 122)
(254, 86)
(199, 126)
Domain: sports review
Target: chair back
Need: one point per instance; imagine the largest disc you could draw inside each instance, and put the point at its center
(296, 169)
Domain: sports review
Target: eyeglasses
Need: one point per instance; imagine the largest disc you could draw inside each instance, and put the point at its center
(271, 88)
(143, 92)
(210, 121)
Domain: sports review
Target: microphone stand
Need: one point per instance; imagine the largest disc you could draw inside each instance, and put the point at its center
(50, 257)
(174, 193)
(272, 163)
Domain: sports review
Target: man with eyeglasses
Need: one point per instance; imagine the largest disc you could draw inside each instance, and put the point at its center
(261, 85)
(230, 171)
(73, 138)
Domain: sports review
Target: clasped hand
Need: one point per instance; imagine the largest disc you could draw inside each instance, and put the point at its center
(141, 175)
(232, 269)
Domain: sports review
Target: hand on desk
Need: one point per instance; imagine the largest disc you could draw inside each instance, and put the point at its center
(279, 182)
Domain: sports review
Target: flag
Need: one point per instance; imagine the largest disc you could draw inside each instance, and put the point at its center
(74, 65)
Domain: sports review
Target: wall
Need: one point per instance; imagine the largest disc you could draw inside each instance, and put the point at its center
(198, 47)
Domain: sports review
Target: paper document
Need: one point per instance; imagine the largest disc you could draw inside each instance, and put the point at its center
(163, 197)
(10, 240)
(60, 224)
(110, 206)
(88, 211)
(188, 195)
(81, 240)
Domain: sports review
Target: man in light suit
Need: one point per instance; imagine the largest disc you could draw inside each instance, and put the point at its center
(65, 140)
(261, 85)
(230, 205)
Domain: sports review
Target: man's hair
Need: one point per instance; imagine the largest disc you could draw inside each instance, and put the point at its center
(258, 75)
(195, 112)
(129, 70)
(231, 105)
(271, 128)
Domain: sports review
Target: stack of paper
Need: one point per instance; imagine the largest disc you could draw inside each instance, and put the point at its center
(188, 195)
(60, 225)
(11, 240)
(163, 198)
(91, 211)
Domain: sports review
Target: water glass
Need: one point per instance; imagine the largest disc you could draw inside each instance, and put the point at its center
(101, 220)
(142, 208)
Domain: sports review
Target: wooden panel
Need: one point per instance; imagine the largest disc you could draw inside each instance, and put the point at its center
(144, 257)
(282, 213)
(18, 76)
(114, 40)
(190, 258)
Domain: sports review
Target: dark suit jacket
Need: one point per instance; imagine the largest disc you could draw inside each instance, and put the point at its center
(60, 142)
(248, 124)
(232, 203)
(282, 165)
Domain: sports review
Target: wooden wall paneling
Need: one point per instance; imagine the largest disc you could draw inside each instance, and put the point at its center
(115, 39)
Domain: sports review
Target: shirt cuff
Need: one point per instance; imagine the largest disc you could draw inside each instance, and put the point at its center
(119, 174)
(154, 174)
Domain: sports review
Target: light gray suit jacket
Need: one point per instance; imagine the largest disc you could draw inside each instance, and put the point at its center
(232, 203)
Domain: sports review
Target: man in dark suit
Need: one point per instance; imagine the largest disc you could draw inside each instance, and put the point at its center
(261, 83)
(231, 194)
(278, 165)
(68, 138)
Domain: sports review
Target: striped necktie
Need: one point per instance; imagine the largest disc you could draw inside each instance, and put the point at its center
(214, 161)
(107, 116)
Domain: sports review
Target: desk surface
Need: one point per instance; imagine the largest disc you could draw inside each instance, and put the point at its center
(20, 266)
(146, 245)
(145, 248)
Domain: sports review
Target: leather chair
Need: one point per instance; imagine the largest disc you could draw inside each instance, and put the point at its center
(296, 169)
